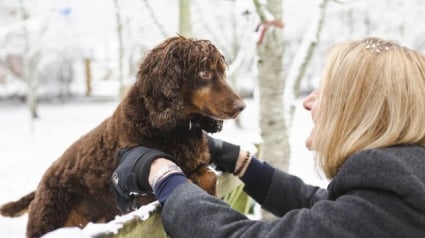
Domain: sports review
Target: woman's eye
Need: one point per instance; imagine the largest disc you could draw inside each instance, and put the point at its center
(205, 74)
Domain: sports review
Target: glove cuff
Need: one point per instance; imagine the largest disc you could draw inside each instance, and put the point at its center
(142, 167)
(227, 162)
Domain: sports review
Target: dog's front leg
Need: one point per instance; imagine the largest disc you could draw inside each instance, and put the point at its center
(205, 178)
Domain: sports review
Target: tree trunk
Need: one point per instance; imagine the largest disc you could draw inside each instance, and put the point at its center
(275, 149)
(120, 49)
(28, 66)
(185, 27)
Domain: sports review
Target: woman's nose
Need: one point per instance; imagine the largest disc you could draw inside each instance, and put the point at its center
(309, 100)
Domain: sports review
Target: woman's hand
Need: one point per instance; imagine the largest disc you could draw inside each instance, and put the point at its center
(133, 173)
(228, 157)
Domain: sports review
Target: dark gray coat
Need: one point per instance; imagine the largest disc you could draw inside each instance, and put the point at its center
(376, 193)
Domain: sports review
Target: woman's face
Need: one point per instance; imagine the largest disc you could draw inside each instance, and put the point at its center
(311, 103)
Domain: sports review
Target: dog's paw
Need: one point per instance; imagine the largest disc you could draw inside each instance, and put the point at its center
(205, 178)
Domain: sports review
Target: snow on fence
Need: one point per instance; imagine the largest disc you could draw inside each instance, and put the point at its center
(146, 221)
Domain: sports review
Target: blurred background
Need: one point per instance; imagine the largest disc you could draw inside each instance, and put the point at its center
(65, 65)
(69, 48)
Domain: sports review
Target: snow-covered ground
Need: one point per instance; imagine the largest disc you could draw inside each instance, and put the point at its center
(27, 149)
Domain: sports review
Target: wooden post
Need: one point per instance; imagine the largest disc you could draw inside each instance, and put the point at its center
(87, 66)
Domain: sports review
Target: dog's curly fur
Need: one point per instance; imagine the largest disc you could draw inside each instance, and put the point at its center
(180, 88)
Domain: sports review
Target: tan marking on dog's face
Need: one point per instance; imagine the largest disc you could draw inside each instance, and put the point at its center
(214, 97)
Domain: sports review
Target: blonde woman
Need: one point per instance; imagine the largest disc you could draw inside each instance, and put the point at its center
(369, 138)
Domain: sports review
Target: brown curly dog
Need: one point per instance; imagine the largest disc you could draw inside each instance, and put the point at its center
(180, 93)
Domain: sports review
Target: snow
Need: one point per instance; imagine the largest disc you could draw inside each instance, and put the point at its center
(27, 149)
(92, 229)
(87, 29)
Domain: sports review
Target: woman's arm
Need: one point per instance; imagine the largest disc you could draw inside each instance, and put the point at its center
(191, 212)
(277, 191)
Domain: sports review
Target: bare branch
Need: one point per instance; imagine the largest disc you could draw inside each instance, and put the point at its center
(155, 19)
(302, 60)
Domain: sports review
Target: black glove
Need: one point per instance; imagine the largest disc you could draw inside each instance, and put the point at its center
(131, 175)
(223, 154)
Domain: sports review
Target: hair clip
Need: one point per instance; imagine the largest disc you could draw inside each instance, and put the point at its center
(377, 45)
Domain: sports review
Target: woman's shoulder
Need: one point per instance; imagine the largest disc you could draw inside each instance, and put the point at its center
(398, 157)
(398, 170)
(395, 162)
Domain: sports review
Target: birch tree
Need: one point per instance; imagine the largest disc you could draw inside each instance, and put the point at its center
(28, 64)
(270, 48)
(119, 28)
(185, 27)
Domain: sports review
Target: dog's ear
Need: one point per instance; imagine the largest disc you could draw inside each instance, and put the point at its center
(160, 80)
(164, 104)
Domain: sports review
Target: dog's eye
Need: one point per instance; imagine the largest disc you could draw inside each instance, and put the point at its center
(206, 74)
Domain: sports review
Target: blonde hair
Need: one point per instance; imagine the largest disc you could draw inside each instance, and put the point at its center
(372, 95)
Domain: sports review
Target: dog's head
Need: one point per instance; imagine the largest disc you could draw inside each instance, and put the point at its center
(184, 79)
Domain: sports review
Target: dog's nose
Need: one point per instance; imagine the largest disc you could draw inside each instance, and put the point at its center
(239, 105)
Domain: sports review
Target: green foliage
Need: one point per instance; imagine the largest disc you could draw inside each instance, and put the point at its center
(239, 200)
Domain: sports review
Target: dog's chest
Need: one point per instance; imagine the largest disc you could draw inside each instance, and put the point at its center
(189, 155)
